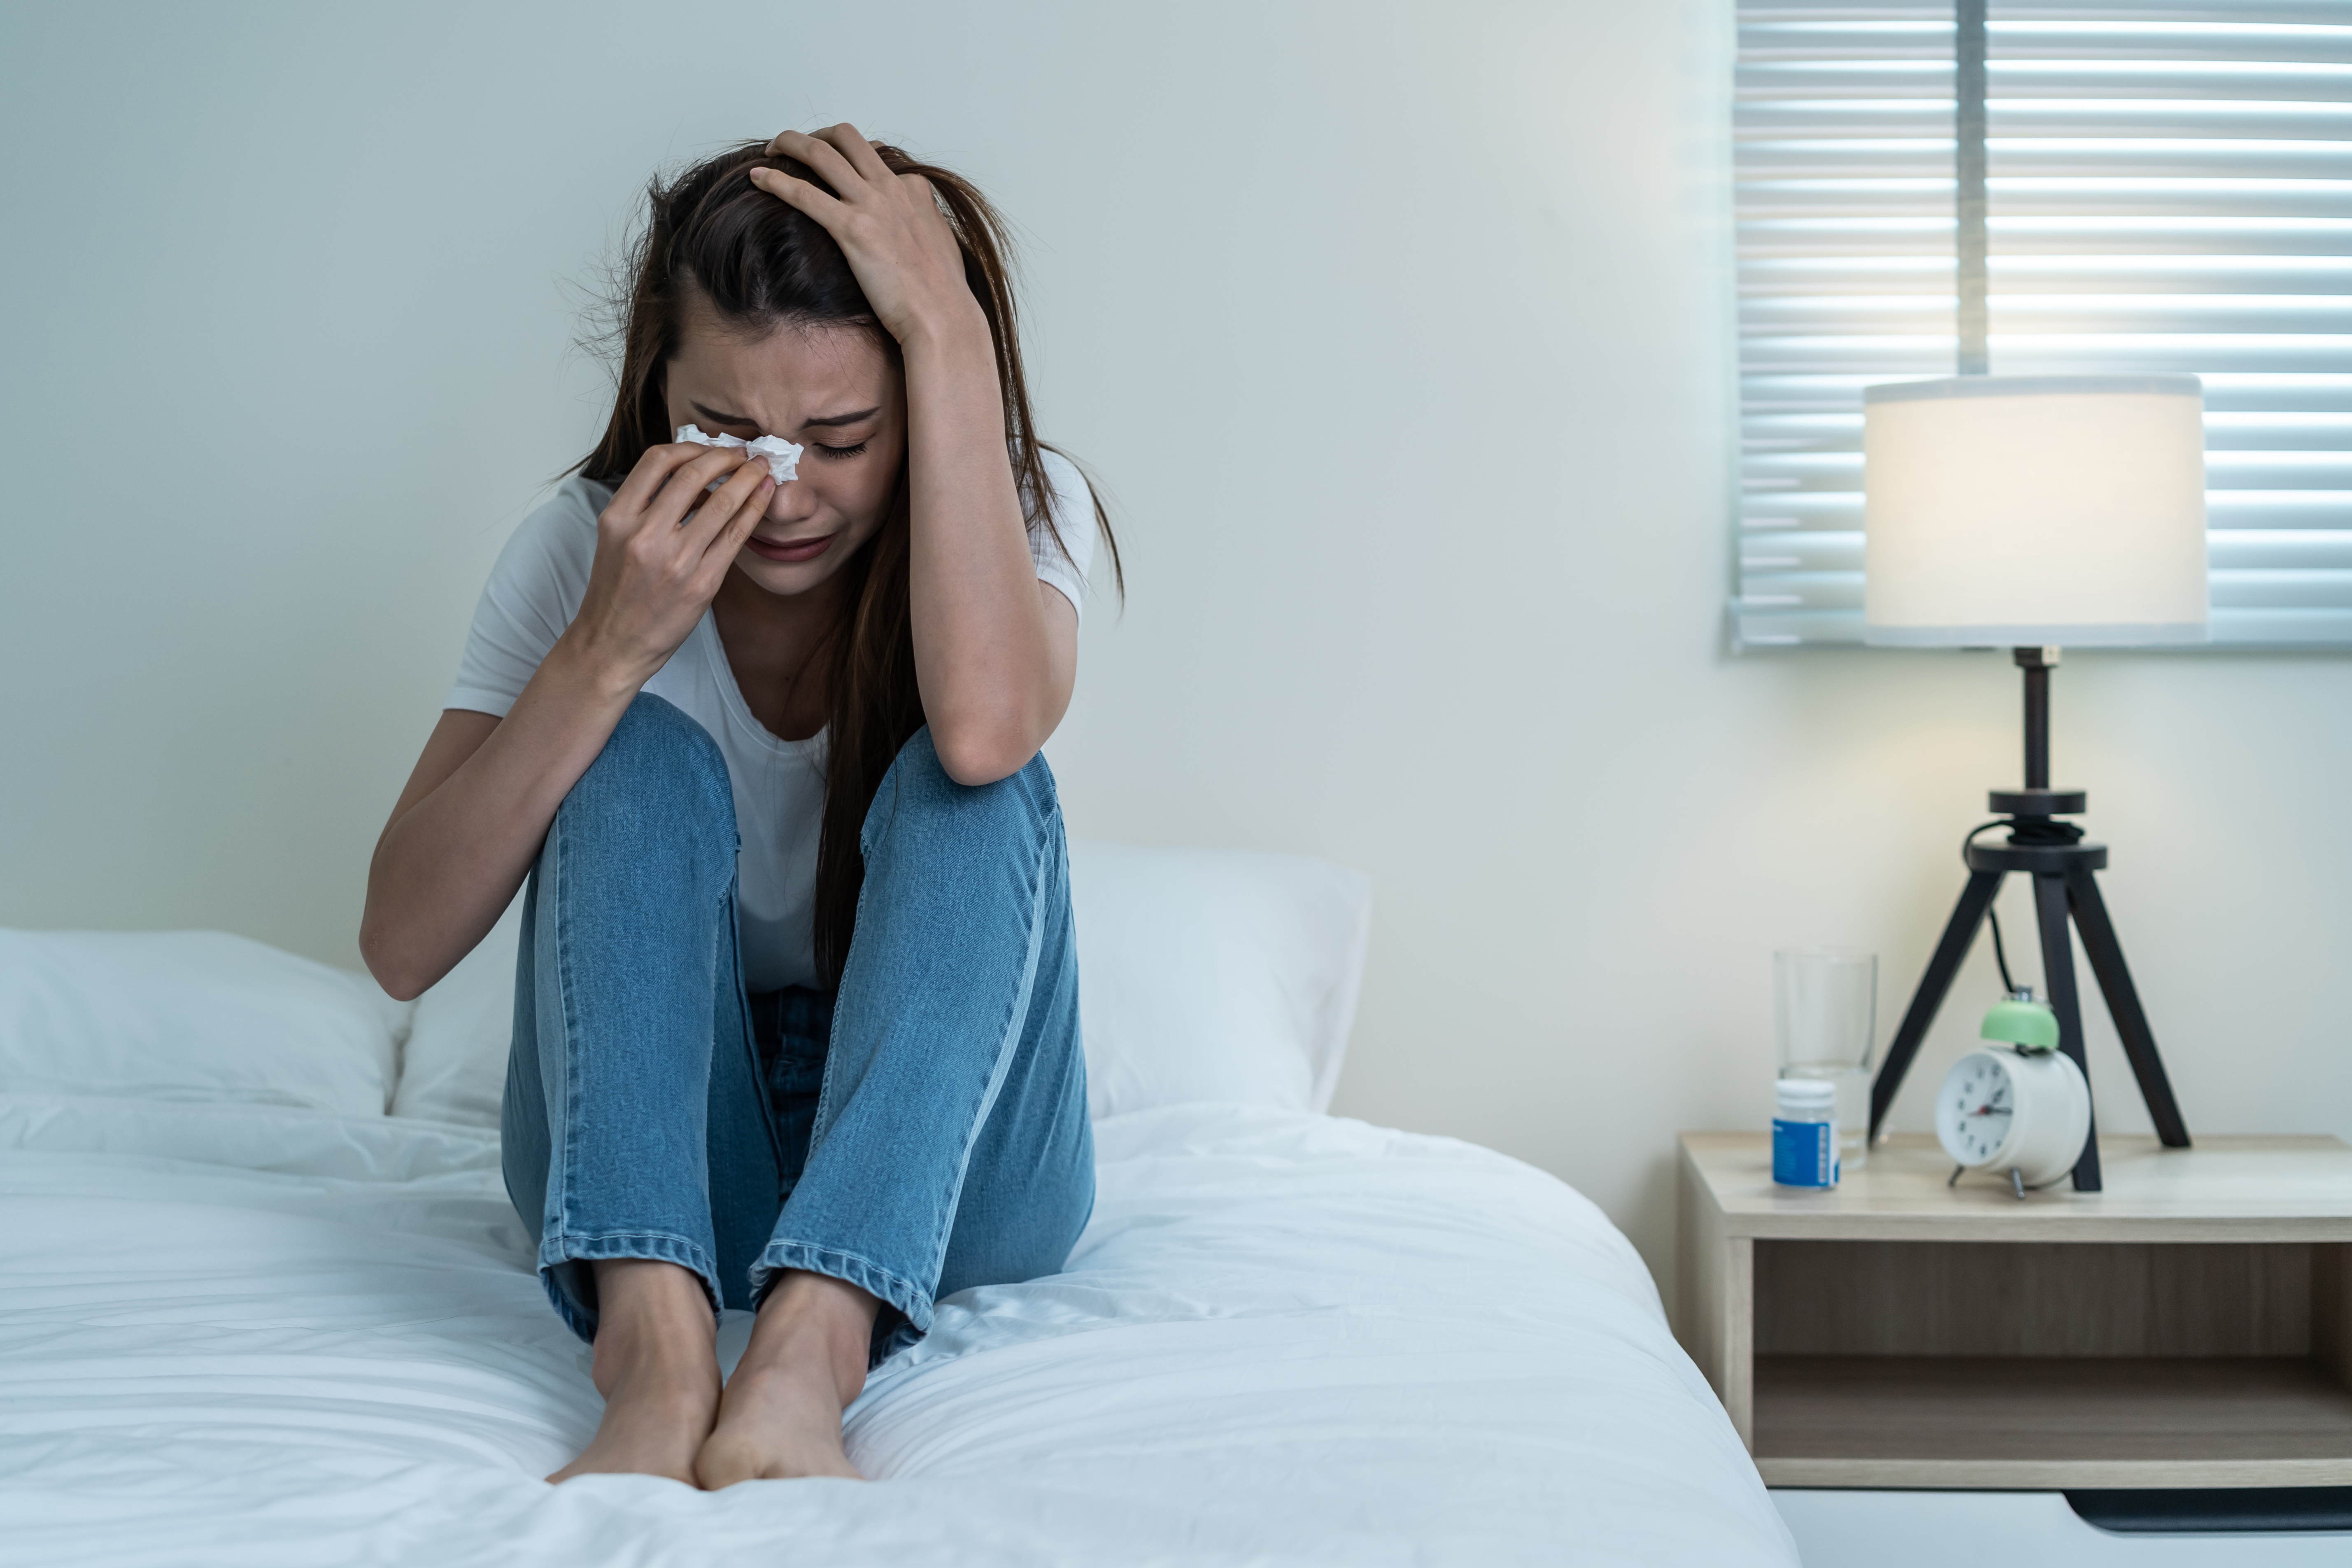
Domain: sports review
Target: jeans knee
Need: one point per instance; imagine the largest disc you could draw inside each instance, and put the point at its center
(918, 791)
(659, 777)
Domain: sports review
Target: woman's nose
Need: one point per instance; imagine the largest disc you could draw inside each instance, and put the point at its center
(790, 501)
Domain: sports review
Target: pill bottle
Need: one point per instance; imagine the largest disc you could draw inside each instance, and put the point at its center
(1804, 1133)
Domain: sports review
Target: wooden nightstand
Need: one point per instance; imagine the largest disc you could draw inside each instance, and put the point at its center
(2192, 1326)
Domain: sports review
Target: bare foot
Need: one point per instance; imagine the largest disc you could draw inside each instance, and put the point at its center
(657, 1367)
(781, 1417)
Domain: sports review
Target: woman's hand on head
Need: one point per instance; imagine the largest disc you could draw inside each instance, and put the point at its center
(890, 226)
(658, 567)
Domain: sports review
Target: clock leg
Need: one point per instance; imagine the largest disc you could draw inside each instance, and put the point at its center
(2106, 956)
(2050, 904)
(1959, 932)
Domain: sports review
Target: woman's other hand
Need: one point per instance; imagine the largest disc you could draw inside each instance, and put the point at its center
(890, 227)
(658, 567)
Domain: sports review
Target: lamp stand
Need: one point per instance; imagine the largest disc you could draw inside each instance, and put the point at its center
(2052, 853)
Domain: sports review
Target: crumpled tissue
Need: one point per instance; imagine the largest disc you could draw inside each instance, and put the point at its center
(782, 457)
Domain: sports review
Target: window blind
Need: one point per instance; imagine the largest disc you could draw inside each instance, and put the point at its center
(2168, 188)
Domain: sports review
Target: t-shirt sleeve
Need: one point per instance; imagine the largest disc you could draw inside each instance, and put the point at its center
(1065, 564)
(533, 592)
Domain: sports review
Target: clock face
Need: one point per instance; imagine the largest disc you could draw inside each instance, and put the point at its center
(1974, 1112)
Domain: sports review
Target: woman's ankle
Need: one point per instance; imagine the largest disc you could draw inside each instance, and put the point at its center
(651, 1313)
(808, 1315)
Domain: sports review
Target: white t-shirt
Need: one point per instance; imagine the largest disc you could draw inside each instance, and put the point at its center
(535, 590)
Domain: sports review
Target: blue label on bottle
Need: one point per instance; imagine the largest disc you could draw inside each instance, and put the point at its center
(1804, 1154)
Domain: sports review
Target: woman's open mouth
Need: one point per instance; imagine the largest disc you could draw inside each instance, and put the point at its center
(791, 549)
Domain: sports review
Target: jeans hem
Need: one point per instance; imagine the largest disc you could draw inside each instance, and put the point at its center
(659, 1247)
(910, 1299)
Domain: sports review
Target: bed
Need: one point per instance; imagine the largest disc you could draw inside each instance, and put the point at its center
(258, 1307)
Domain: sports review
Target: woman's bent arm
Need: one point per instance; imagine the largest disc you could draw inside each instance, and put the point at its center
(479, 805)
(995, 650)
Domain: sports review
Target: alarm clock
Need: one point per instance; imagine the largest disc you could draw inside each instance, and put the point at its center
(2025, 1108)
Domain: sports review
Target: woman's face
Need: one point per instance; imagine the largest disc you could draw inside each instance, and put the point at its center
(831, 389)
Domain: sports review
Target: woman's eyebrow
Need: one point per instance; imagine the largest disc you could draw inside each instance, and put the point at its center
(833, 419)
(828, 422)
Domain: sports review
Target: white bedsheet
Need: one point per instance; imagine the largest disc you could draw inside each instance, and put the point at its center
(260, 1337)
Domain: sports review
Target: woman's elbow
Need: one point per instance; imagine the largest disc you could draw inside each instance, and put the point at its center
(401, 990)
(393, 960)
(402, 981)
(400, 985)
(974, 754)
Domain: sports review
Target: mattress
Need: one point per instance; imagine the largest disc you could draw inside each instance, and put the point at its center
(257, 1336)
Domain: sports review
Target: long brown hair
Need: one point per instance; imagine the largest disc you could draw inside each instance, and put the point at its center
(762, 265)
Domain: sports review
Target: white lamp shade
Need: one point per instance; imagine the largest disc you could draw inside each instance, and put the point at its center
(2034, 510)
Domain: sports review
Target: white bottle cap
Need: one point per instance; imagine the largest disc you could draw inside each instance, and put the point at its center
(1807, 1093)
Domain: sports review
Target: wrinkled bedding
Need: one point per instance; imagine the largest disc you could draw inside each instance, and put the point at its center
(254, 1336)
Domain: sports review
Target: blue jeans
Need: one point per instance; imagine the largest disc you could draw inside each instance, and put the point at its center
(947, 1145)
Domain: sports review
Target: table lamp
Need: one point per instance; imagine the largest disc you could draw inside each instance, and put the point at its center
(2036, 513)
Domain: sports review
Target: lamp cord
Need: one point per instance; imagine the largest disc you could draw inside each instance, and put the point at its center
(1999, 956)
(2040, 830)
(2026, 830)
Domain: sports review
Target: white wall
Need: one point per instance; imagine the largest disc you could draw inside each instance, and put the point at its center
(1398, 335)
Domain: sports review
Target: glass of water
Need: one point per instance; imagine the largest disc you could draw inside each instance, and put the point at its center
(1826, 999)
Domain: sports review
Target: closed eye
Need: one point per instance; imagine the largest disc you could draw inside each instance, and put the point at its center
(838, 453)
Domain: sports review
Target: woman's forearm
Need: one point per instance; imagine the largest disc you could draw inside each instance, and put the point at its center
(984, 659)
(475, 814)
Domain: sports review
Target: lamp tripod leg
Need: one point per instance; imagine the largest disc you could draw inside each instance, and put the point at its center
(2050, 904)
(1959, 932)
(2106, 955)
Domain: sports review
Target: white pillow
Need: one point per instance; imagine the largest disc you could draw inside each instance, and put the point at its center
(191, 1015)
(1203, 974)
(454, 1066)
(1215, 974)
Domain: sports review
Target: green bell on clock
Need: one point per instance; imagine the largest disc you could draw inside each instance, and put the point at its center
(2018, 1020)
